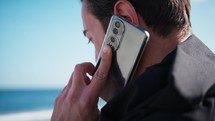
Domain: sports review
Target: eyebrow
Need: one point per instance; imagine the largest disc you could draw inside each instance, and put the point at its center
(84, 32)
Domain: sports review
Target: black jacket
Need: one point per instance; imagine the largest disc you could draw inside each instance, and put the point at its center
(180, 88)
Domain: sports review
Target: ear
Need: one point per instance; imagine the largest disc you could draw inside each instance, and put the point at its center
(125, 9)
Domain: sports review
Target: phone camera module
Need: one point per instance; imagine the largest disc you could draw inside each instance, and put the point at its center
(112, 39)
(115, 31)
(113, 42)
(117, 24)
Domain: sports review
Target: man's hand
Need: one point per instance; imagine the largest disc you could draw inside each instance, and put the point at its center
(78, 100)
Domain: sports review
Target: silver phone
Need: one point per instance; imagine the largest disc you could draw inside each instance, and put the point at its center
(128, 43)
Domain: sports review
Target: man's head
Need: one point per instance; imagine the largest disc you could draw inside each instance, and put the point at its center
(160, 16)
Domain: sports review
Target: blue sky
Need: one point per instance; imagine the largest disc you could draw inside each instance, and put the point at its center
(41, 40)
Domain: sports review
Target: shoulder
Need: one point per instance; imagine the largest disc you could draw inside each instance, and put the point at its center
(193, 68)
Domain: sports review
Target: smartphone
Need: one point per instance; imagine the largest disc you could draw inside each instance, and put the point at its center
(128, 43)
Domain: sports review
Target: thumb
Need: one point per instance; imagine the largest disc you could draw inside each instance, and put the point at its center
(101, 73)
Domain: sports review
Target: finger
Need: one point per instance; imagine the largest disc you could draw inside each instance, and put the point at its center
(64, 92)
(80, 74)
(101, 73)
(70, 81)
(61, 96)
(90, 69)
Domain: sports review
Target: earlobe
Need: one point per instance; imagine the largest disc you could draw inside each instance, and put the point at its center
(126, 10)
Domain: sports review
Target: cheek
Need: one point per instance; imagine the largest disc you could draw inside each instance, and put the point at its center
(97, 49)
(98, 44)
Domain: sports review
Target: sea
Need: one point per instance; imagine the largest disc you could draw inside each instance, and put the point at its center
(29, 105)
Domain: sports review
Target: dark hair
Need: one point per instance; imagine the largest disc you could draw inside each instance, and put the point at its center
(162, 16)
(102, 9)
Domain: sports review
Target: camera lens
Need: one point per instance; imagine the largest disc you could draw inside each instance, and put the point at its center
(117, 24)
(112, 39)
(115, 31)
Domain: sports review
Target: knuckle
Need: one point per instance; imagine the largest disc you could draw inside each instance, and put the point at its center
(68, 102)
(84, 104)
(58, 100)
(78, 67)
(100, 75)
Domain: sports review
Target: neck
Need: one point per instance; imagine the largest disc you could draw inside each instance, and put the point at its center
(158, 48)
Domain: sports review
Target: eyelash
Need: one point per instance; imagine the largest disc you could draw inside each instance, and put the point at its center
(89, 41)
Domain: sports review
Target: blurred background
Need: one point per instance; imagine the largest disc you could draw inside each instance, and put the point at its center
(40, 43)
